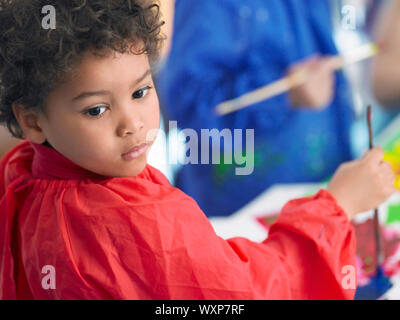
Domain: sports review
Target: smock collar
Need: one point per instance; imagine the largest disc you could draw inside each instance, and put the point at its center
(48, 163)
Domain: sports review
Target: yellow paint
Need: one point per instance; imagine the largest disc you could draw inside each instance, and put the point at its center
(393, 157)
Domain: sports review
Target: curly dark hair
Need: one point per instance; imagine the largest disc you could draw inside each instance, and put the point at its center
(34, 60)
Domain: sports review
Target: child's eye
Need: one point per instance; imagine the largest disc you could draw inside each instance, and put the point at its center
(141, 93)
(96, 111)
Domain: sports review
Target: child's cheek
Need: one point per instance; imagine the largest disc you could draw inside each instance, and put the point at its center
(152, 118)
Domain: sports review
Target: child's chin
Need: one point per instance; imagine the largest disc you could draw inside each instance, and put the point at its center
(130, 172)
(122, 170)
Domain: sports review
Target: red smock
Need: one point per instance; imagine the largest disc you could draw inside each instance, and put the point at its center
(141, 238)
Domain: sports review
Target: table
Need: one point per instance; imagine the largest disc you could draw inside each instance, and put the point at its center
(243, 223)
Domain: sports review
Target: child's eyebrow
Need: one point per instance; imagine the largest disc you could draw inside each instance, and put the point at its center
(144, 76)
(90, 94)
(105, 92)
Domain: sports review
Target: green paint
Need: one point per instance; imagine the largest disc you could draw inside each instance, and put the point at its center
(368, 260)
(310, 193)
(393, 213)
(226, 169)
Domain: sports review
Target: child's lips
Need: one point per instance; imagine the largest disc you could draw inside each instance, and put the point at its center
(135, 152)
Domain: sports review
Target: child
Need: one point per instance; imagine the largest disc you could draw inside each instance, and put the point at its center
(82, 216)
(223, 49)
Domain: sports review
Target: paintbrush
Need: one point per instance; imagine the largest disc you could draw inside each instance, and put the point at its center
(291, 81)
(379, 283)
(379, 256)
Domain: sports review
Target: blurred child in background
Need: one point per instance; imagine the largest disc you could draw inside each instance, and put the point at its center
(223, 49)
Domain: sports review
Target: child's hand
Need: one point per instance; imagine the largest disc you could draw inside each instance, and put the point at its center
(318, 89)
(363, 184)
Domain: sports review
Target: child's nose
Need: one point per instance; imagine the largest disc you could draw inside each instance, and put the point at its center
(129, 124)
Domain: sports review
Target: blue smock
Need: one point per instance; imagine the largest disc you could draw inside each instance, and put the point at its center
(222, 49)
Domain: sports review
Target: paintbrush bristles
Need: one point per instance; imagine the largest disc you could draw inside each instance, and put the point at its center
(363, 52)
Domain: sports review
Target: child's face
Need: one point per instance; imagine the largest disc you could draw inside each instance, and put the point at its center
(103, 111)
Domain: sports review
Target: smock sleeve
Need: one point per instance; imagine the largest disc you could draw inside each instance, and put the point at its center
(164, 247)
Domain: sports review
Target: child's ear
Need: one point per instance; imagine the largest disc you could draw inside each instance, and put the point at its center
(28, 120)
